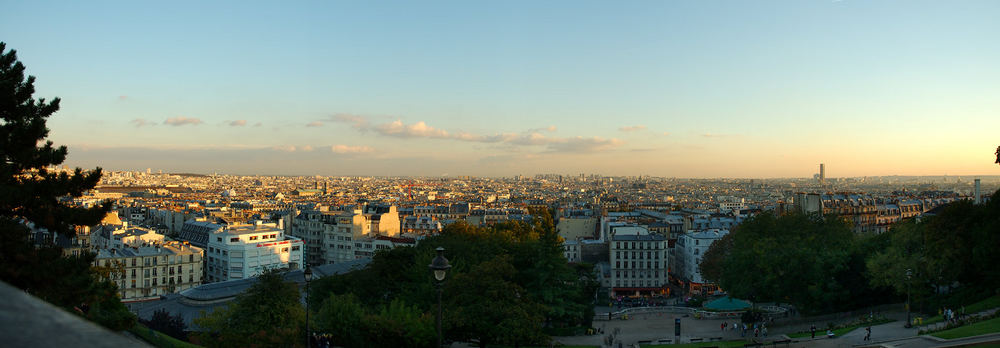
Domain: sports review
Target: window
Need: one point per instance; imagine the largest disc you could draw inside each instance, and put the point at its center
(191, 258)
(253, 237)
(295, 248)
(234, 239)
(218, 239)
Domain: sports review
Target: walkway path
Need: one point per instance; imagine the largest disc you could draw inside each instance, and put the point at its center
(648, 328)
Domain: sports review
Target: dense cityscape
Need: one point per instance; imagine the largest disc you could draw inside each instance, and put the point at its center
(671, 174)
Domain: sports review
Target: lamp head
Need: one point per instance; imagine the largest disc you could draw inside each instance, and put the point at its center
(440, 265)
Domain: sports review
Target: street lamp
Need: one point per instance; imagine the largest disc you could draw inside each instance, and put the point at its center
(308, 275)
(439, 266)
(909, 273)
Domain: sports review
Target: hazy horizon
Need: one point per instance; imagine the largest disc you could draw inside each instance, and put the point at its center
(492, 89)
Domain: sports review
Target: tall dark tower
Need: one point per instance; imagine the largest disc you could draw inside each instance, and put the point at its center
(822, 173)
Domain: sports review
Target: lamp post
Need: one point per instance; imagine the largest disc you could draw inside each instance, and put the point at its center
(439, 267)
(909, 273)
(308, 274)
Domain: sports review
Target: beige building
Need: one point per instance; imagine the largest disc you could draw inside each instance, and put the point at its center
(331, 236)
(147, 272)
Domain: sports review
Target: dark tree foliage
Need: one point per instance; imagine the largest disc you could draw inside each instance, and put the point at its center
(172, 325)
(27, 189)
(517, 267)
(269, 314)
(952, 252)
(31, 193)
(813, 262)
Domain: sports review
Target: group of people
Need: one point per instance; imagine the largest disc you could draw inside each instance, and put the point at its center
(320, 340)
(829, 333)
(759, 330)
(949, 315)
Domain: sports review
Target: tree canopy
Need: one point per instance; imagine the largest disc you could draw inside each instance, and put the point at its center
(512, 272)
(30, 193)
(953, 250)
(811, 261)
(269, 314)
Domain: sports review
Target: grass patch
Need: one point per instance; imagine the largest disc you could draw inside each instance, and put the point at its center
(989, 303)
(159, 339)
(976, 329)
(720, 344)
(841, 331)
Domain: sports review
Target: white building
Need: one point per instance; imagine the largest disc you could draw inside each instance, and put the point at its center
(148, 272)
(638, 261)
(245, 251)
(688, 252)
(120, 236)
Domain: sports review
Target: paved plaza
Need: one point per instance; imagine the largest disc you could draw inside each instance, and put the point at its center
(655, 328)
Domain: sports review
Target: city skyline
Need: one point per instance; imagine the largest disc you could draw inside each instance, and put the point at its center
(680, 89)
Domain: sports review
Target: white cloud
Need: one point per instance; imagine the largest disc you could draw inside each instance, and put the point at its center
(417, 130)
(346, 149)
(181, 120)
(314, 124)
(533, 137)
(238, 123)
(285, 148)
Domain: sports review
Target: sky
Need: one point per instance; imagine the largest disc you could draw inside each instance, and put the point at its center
(745, 89)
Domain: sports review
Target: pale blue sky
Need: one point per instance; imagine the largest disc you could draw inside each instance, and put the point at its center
(726, 88)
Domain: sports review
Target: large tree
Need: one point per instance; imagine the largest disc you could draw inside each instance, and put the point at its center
(269, 314)
(811, 261)
(31, 194)
(522, 258)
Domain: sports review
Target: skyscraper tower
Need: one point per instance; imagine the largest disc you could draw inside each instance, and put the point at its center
(822, 173)
(979, 194)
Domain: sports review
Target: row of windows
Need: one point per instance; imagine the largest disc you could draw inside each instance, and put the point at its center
(636, 283)
(637, 255)
(649, 264)
(642, 245)
(637, 274)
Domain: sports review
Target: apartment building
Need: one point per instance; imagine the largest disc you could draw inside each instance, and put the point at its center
(638, 260)
(688, 251)
(120, 236)
(245, 251)
(147, 272)
(330, 236)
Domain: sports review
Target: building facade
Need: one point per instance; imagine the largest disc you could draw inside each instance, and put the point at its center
(638, 262)
(246, 251)
(147, 272)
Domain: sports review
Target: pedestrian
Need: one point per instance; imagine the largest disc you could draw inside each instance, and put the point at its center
(868, 333)
(812, 330)
(764, 331)
(723, 326)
